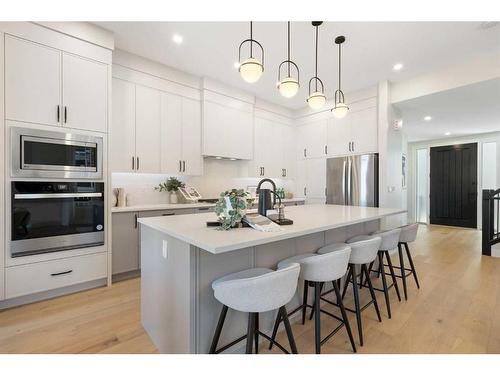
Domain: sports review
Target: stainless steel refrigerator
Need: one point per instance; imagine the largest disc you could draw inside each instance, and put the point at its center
(352, 180)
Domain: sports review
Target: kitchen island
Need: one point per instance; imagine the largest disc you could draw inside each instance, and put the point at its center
(180, 257)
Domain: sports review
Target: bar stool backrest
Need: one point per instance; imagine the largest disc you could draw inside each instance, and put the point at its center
(408, 233)
(365, 251)
(261, 293)
(326, 267)
(390, 238)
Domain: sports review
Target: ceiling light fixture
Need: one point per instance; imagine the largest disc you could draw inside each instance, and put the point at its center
(397, 67)
(177, 38)
(251, 69)
(427, 118)
(316, 99)
(340, 109)
(288, 86)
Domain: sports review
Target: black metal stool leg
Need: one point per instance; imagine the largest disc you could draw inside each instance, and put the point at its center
(346, 284)
(356, 303)
(256, 333)
(250, 332)
(304, 301)
(393, 274)
(314, 304)
(411, 264)
(288, 328)
(403, 272)
(372, 292)
(344, 315)
(317, 317)
(384, 283)
(218, 330)
(275, 329)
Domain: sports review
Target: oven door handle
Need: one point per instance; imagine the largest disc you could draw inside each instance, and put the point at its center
(57, 195)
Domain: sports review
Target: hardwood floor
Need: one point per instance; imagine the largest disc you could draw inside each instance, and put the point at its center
(456, 310)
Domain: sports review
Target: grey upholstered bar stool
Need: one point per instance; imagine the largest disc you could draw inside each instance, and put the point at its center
(388, 247)
(255, 291)
(408, 234)
(315, 270)
(364, 250)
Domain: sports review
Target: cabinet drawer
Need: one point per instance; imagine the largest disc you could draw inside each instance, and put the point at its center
(38, 277)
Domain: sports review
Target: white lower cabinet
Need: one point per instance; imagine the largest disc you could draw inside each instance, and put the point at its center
(42, 276)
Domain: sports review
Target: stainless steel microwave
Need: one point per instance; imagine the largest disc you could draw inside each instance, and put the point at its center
(50, 154)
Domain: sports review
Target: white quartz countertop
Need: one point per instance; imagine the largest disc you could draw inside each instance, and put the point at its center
(307, 219)
(178, 206)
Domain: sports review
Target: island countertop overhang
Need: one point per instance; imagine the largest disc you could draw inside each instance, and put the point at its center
(307, 219)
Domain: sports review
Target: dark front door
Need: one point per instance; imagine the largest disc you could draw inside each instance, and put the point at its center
(453, 186)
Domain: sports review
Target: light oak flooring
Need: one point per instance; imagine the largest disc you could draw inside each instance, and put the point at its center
(457, 310)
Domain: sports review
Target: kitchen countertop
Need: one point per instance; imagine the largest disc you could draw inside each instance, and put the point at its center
(307, 219)
(177, 206)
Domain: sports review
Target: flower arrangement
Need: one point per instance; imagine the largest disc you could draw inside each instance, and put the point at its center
(231, 207)
(171, 185)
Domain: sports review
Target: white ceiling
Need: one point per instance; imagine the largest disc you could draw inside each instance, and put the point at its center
(371, 49)
(466, 110)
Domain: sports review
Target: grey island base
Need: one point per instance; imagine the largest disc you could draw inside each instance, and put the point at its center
(180, 257)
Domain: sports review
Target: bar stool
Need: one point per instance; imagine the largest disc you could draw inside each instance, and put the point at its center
(388, 247)
(255, 291)
(364, 250)
(315, 270)
(408, 234)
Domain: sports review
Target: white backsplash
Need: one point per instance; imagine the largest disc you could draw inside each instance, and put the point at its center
(219, 175)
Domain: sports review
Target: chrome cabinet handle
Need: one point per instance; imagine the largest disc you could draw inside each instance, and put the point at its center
(61, 273)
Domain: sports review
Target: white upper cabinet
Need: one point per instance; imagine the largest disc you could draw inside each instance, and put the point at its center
(339, 135)
(287, 166)
(191, 137)
(122, 140)
(50, 87)
(312, 139)
(227, 127)
(147, 125)
(171, 133)
(364, 130)
(32, 82)
(85, 93)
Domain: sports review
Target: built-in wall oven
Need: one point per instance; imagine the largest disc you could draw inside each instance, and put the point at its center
(55, 216)
(49, 154)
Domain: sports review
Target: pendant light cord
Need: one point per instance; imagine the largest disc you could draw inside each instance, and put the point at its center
(288, 48)
(316, 63)
(340, 66)
(251, 39)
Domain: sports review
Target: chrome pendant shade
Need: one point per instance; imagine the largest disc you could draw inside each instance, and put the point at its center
(251, 68)
(316, 98)
(340, 109)
(289, 85)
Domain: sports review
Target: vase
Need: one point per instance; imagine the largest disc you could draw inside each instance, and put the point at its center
(173, 197)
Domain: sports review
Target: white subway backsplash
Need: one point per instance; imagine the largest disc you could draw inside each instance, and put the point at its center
(219, 175)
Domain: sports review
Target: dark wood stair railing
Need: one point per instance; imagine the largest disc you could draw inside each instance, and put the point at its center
(491, 220)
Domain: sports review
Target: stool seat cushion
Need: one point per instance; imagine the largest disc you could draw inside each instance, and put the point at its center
(245, 274)
(295, 259)
(408, 233)
(364, 249)
(333, 247)
(257, 290)
(390, 238)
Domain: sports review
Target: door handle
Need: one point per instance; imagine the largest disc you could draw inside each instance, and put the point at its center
(61, 273)
(180, 165)
(138, 163)
(326, 149)
(58, 113)
(65, 114)
(263, 171)
(305, 191)
(184, 166)
(349, 146)
(353, 145)
(135, 220)
(133, 163)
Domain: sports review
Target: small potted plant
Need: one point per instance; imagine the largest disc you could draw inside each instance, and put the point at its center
(231, 207)
(172, 185)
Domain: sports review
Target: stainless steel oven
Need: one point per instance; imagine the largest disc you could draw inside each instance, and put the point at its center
(55, 216)
(49, 154)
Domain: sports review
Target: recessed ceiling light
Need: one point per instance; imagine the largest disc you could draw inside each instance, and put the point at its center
(447, 133)
(236, 65)
(177, 38)
(427, 118)
(397, 66)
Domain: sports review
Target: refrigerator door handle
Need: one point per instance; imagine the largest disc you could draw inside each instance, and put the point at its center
(349, 182)
(344, 190)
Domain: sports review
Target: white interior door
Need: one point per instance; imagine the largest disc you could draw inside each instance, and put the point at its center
(171, 133)
(85, 93)
(364, 130)
(122, 139)
(32, 82)
(191, 137)
(147, 129)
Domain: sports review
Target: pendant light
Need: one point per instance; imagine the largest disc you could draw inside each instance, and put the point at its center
(251, 69)
(316, 99)
(288, 86)
(340, 109)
